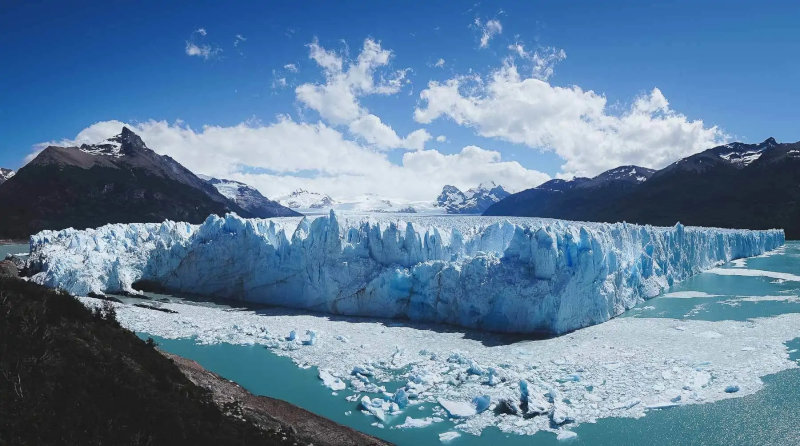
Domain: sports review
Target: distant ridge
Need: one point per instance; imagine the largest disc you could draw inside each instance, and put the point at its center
(250, 199)
(737, 185)
(474, 201)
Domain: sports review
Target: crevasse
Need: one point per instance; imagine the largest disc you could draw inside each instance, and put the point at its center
(523, 275)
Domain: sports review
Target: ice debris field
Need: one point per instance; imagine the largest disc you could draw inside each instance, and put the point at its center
(621, 368)
(520, 275)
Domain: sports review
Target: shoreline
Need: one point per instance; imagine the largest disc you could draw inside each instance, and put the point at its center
(14, 242)
(270, 413)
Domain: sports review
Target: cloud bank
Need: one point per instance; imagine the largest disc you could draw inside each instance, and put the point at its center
(570, 121)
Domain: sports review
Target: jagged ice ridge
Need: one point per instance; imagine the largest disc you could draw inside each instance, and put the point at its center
(521, 275)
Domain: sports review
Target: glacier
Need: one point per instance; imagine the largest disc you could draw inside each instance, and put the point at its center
(520, 275)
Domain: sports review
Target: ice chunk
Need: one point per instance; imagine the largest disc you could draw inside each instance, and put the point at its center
(448, 436)
(414, 423)
(358, 370)
(312, 338)
(455, 270)
(481, 403)
(732, 389)
(474, 369)
(565, 435)
(532, 403)
(330, 381)
(400, 398)
(376, 406)
(687, 294)
(458, 409)
(755, 273)
(493, 380)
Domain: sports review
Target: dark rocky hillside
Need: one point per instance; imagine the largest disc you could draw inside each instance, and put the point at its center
(70, 376)
(250, 199)
(117, 181)
(755, 186)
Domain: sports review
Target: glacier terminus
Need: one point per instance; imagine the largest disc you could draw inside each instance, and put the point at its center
(516, 275)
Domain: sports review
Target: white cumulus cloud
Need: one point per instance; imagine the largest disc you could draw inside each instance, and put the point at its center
(542, 61)
(337, 99)
(202, 50)
(570, 121)
(488, 29)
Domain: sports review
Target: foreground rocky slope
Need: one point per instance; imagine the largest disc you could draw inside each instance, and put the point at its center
(520, 275)
(70, 376)
(734, 186)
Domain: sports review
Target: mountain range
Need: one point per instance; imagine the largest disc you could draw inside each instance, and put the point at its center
(303, 199)
(735, 185)
(474, 201)
(119, 180)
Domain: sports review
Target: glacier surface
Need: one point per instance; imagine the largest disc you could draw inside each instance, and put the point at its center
(524, 275)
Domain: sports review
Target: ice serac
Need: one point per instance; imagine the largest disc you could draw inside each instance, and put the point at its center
(511, 275)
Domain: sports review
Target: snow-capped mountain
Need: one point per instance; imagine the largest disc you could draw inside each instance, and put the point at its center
(627, 174)
(249, 198)
(304, 199)
(735, 185)
(119, 180)
(476, 200)
(5, 174)
(738, 155)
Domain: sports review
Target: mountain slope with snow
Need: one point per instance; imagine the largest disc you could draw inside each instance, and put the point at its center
(521, 275)
(735, 185)
(302, 199)
(576, 199)
(6, 174)
(250, 199)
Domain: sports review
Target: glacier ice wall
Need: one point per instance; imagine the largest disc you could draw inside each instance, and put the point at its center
(520, 275)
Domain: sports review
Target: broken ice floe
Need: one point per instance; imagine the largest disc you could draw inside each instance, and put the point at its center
(621, 368)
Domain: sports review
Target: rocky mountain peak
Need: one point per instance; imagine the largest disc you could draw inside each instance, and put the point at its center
(5, 174)
(129, 140)
(473, 201)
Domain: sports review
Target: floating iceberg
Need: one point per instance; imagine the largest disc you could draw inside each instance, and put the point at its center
(521, 275)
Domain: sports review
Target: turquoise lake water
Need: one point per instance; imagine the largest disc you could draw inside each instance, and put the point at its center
(12, 249)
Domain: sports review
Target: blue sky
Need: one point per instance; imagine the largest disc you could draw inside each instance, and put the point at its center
(730, 65)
